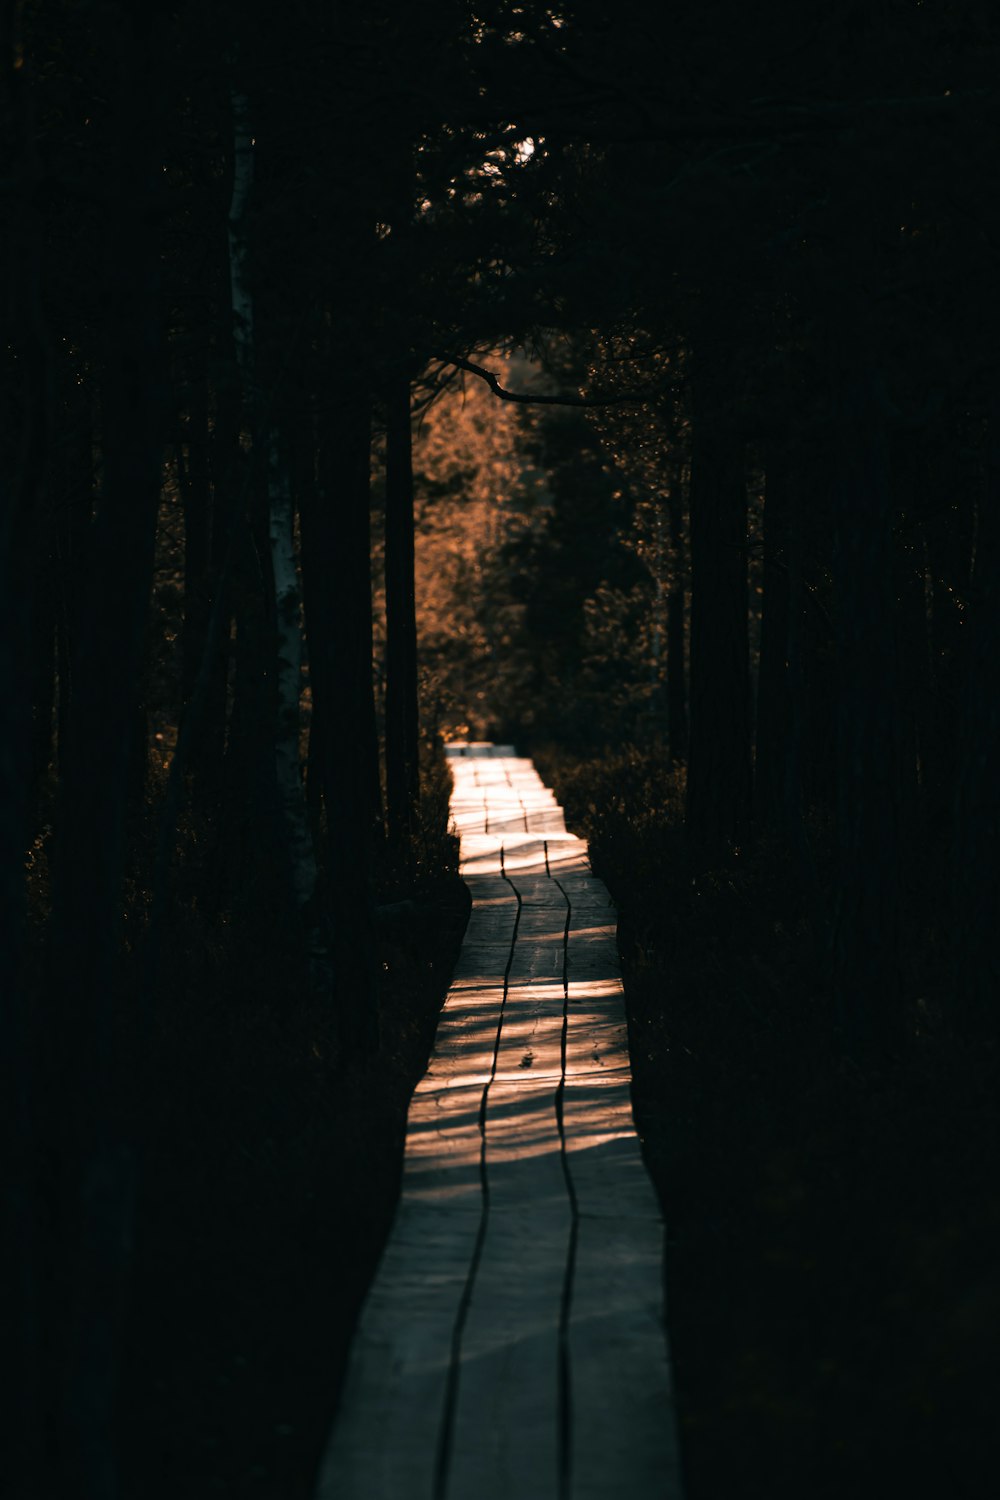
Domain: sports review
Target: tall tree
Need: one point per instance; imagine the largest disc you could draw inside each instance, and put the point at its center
(98, 1156)
(773, 738)
(866, 913)
(719, 774)
(977, 804)
(24, 380)
(402, 728)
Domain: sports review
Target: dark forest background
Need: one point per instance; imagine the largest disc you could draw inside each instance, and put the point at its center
(622, 382)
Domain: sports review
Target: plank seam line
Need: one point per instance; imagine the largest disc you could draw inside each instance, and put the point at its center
(566, 1300)
(446, 1432)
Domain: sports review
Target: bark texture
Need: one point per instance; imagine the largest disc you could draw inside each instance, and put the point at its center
(866, 908)
(977, 805)
(719, 772)
(401, 706)
(336, 545)
(98, 1160)
(773, 706)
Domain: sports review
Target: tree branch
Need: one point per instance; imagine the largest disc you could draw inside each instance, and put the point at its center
(523, 400)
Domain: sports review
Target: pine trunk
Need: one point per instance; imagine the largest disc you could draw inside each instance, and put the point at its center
(866, 904)
(677, 715)
(196, 499)
(401, 706)
(977, 804)
(718, 796)
(99, 1160)
(336, 562)
(773, 729)
(24, 359)
(288, 689)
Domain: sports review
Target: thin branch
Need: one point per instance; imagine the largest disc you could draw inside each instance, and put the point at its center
(523, 400)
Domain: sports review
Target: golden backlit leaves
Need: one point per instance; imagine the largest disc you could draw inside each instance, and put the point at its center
(476, 489)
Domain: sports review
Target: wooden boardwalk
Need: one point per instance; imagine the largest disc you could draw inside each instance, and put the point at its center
(512, 1345)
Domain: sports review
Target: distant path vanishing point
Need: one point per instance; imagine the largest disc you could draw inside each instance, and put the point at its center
(512, 1345)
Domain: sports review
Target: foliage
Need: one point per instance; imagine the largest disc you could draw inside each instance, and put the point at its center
(832, 1233)
(534, 595)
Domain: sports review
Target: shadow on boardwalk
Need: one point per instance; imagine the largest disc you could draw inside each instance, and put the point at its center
(513, 1343)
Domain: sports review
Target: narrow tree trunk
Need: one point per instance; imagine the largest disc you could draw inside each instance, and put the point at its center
(72, 531)
(913, 687)
(43, 694)
(196, 499)
(912, 644)
(253, 836)
(401, 707)
(950, 534)
(239, 253)
(17, 1148)
(306, 488)
(976, 876)
(288, 760)
(227, 467)
(866, 907)
(773, 737)
(718, 795)
(99, 1165)
(24, 362)
(677, 717)
(336, 551)
(791, 789)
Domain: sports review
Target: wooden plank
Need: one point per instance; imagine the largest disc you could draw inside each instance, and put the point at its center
(622, 1414)
(488, 1273)
(506, 1420)
(394, 1393)
(506, 1432)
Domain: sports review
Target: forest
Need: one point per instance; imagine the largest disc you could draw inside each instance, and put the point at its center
(618, 382)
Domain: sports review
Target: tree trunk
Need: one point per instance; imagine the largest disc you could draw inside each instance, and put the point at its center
(401, 707)
(913, 687)
(99, 1164)
(24, 366)
(253, 833)
(288, 760)
(72, 530)
(773, 736)
(43, 693)
(227, 469)
(791, 790)
(949, 500)
(336, 562)
(677, 717)
(976, 878)
(912, 642)
(196, 499)
(718, 794)
(866, 905)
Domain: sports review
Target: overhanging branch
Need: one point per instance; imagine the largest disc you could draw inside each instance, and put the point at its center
(625, 398)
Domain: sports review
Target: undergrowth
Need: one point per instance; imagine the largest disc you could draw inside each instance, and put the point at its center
(269, 1154)
(833, 1234)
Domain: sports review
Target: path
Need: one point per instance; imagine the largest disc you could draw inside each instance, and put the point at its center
(512, 1345)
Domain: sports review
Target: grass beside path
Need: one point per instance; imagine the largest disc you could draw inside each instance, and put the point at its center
(833, 1238)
